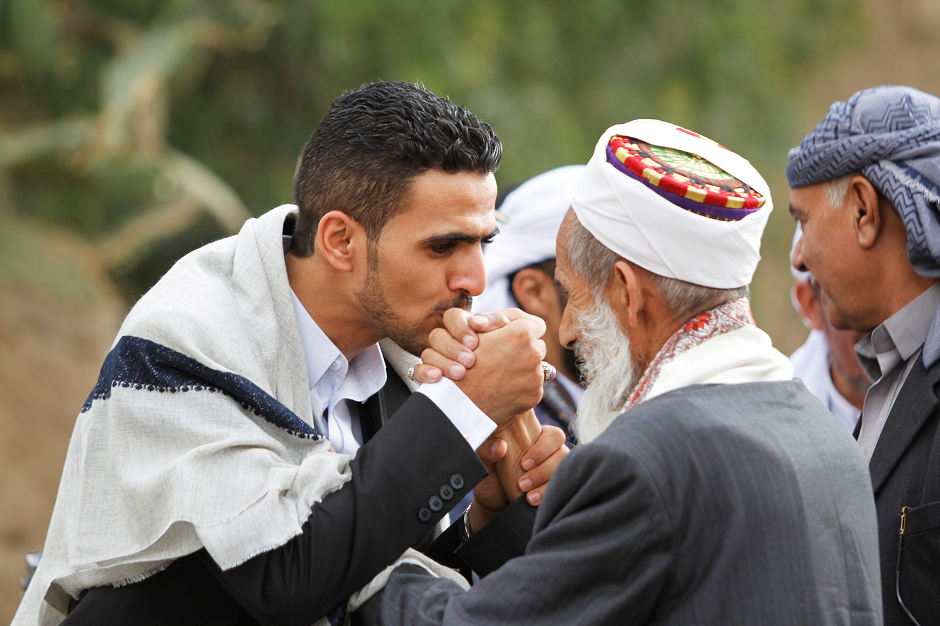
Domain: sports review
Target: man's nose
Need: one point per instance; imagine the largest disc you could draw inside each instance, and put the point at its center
(567, 332)
(797, 259)
(470, 274)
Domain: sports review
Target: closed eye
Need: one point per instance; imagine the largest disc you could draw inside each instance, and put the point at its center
(443, 248)
(444, 243)
(796, 214)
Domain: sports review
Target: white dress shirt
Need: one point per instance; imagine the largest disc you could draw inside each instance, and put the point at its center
(338, 387)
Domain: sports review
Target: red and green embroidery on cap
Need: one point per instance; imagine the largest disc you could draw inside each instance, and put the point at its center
(685, 179)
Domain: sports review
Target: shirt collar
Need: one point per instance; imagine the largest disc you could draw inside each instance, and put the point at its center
(900, 336)
(327, 368)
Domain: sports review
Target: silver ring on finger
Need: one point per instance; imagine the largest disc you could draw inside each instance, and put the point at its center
(548, 371)
(411, 374)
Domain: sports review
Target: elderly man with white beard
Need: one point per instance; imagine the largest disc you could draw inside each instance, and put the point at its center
(710, 487)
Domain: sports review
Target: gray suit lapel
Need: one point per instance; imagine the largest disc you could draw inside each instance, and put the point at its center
(914, 405)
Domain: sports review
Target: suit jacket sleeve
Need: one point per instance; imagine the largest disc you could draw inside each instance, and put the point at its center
(602, 549)
(504, 537)
(360, 529)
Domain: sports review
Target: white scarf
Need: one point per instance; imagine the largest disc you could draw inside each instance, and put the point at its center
(163, 461)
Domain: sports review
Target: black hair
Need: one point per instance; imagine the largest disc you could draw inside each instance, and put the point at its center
(365, 153)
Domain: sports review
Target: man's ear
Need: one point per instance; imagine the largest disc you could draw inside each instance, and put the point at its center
(626, 293)
(862, 198)
(535, 291)
(339, 239)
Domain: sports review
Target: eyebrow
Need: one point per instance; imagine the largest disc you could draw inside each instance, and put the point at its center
(793, 210)
(464, 237)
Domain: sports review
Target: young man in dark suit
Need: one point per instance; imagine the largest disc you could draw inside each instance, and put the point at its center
(224, 469)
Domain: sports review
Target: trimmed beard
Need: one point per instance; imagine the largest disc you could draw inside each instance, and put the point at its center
(374, 299)
(608, 367)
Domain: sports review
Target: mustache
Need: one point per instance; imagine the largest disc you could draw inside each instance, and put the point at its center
(460, 301)
(814, 283)
(580, 356)
(574, 364)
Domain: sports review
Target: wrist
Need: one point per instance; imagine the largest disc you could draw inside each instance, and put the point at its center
(476, 517)
(522, 426)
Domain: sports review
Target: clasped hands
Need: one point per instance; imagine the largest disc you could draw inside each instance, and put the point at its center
(495, 359)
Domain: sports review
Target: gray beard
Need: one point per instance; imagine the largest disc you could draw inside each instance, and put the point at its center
(608, 368)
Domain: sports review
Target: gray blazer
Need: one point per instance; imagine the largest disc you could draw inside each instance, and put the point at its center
(731, 504)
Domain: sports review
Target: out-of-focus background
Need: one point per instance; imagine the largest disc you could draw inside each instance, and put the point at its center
(132, 131)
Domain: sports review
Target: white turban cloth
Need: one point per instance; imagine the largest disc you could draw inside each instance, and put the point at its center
(625, 213)
(533, 213)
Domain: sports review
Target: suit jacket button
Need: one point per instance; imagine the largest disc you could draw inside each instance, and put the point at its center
(446, 492)
(435, 503)
(424, 514)
(456, 481)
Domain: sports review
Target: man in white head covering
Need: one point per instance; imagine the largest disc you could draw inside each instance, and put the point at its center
(709, 487)
(520, 272)
(826, 362)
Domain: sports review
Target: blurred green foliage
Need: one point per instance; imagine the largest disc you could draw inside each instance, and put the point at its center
(113, 109)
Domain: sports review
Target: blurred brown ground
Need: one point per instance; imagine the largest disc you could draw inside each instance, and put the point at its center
(59, 311)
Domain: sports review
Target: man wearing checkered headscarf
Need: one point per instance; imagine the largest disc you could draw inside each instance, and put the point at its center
(866, 190)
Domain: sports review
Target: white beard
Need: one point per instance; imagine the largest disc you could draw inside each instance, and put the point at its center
(608, 368)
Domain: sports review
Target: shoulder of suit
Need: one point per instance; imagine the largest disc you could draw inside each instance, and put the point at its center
(709, 406)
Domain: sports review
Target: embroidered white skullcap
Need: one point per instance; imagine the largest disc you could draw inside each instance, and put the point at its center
(533, 212)
(675, 203)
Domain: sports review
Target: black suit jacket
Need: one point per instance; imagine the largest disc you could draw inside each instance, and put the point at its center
(905, 472)
(350, 536)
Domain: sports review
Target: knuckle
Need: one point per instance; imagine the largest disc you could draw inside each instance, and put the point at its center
(454, 319)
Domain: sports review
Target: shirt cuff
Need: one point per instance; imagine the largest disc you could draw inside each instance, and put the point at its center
(469, 420)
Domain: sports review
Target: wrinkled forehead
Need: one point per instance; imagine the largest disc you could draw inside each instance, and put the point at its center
(564, 234)
(806, 200)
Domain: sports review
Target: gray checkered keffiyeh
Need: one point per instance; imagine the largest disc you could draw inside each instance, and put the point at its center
(892, 135)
